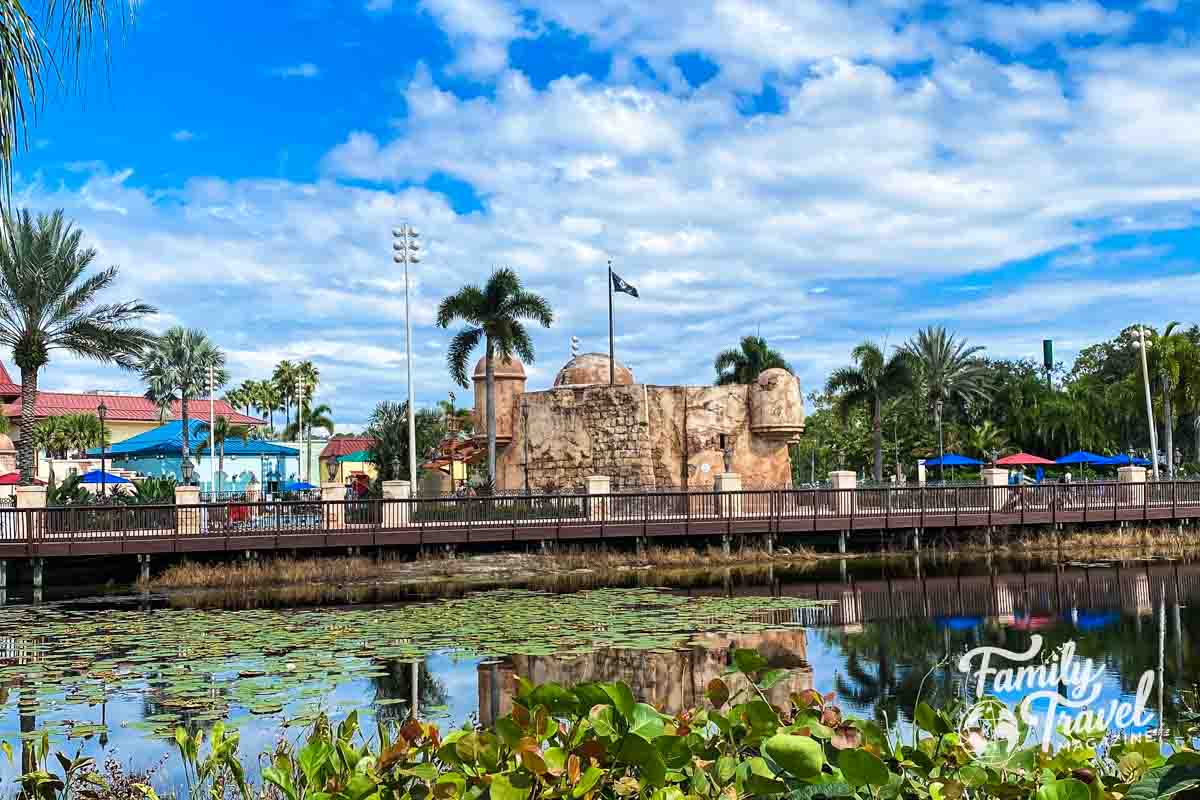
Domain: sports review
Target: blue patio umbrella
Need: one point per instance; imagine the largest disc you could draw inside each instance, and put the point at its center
(96, 476)
(952, 460)
(1082, 457)
(1124, 460)
(1095, 620)
(297, 486)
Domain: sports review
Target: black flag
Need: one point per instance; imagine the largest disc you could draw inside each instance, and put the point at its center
(619, 285)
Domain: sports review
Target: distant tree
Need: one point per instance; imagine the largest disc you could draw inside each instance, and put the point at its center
(176, 367)
(985, 439)
(744, 364)
(47, 304)
(388, 427)
(318, 416)
(870, 384)
(494, 315)
(949, 370)
(284, 378)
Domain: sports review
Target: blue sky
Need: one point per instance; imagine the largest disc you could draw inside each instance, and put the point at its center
(818, 172)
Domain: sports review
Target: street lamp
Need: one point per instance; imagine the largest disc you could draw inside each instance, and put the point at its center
(452, 438)
(525, 436)
(1142, 344)
(187, 467)
(396, 468)
(102, 413)
(937, 417)
(404, 246)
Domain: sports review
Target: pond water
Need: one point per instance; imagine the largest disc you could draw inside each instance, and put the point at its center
(113, 675)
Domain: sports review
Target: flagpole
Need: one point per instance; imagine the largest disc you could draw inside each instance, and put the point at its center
(611, 355)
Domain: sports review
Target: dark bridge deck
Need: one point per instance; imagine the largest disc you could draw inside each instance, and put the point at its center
(76, 531)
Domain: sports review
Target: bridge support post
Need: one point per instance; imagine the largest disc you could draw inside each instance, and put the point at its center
(3, 574)
(769, 545)
(842, 542)
(916, 539)
(987, 538)
(995, 479)
(29, 525)
(725, 545)
(640, 544)
(843, 482)
(333, 512)
(597, 508)
(187, 511)
(38, 564)
(144, 567)
(401, 513)
(729, 483)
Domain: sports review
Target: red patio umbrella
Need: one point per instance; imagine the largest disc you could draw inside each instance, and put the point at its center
(1024, 460)
(13, 478)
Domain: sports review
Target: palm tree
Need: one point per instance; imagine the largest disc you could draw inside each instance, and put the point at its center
(875, 380)
(222, 431)
(462, 417)
(266, 399)
(494, 315)
(985, 439)
(47, 304)
(284, 378)
(1167, 356)
(70, 31)
(745, 364)
(308, 374)
(318, 416)
(176, 367)
(84, 431)
(949, 372)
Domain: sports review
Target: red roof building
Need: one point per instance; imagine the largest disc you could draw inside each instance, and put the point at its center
(344, 445)
(124, 408)
(127, 415)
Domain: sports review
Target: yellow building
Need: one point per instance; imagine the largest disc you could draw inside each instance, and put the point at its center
(345, 457)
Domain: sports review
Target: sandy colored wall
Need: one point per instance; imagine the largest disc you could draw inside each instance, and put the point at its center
(639, 435)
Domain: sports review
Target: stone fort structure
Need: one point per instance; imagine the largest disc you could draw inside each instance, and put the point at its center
(639, 435)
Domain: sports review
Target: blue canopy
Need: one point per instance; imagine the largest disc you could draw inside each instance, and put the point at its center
(1082, 457)
(952, 460)
(1124, 460)
(958, 623)
(297, 486)
(96, 476)
(167, 440)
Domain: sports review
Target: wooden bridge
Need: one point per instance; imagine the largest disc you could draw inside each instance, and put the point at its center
(421, 522)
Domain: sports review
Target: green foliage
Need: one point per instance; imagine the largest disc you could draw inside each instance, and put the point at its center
(744, 364)
(178, 366)
(595, 741)
(388, 425)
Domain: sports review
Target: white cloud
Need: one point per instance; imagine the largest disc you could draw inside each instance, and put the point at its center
(1023, 26)
(183, 135)
(305, 70)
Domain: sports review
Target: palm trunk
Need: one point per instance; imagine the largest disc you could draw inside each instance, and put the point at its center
(29, 393)
(877, 430)
(1169, 427)
(184, 434)
(490, 395)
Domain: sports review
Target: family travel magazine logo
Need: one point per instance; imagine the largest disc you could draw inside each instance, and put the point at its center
(1060, 692)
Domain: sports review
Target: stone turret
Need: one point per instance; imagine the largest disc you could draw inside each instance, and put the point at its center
(510, 385)
(776, 405)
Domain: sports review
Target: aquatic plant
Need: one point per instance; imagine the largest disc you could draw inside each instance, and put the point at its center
(594, 741)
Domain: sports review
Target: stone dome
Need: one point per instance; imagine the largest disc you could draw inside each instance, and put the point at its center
(512, 368)
(590, 369)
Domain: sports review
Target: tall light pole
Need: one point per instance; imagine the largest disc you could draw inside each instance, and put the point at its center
(1143, 343)
(102, 412)
(938, 407)
(404, 246)
(304, 469)
(212, 429)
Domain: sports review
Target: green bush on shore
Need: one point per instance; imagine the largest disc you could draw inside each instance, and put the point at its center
(595, 740)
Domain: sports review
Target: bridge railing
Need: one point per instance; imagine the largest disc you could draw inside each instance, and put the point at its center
(24, 531)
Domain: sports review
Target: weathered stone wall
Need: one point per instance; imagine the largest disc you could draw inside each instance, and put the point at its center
(576, 432)
(648, 436)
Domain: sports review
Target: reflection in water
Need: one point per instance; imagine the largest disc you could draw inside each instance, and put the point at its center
(890, 624)
(672, 680)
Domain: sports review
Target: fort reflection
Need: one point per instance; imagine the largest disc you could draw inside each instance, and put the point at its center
(672, 680)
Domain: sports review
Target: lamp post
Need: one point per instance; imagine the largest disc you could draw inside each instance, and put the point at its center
(396, 468)
(212, 428)
(102, 413)
(938, 406)
(525, 436)
(303, 438)
(1142, 344)
(452, 437)
(187, 467)
(404, 245)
